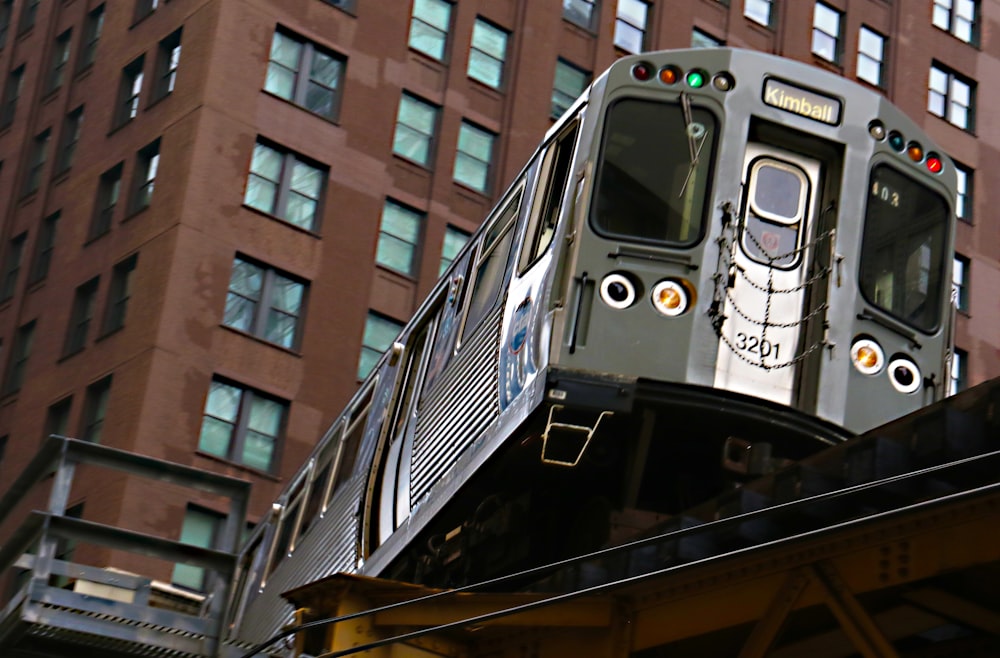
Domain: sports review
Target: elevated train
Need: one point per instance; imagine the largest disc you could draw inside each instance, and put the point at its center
(717, 261)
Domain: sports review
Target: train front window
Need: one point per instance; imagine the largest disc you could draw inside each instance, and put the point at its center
(653, 176)
(902, 251)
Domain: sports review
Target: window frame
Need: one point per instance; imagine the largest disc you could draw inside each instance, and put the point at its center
(119, 294)
(588, 12)
(706, 39)
(58, 61)
(147, 165)
(130, 92)
(57, 417)
(470, 130)
(481, 26)
(567, 67)
(864, 56)
(12, 266)
(95, 408)
(628, 24)
(93, 27)
(11, 95)
(109, 193)
(68, 139)
(302, 77)
(428, 138)
(237, 440)
(820, 30)
(446, 262)
(19, 355)
(216, 522)
(283, 191)
(371, 351)
(45, 244)
(750, 8)
(37, 160)
(168, 55)
(143, 8)
(965, 187)
(961, 281)
(262, 307)
(950, 20)
(441, 35)
(419, 219)
(81, 316)
(947, 97)
(958, 376)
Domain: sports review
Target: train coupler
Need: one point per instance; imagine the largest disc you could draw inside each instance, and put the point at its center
(563, 444)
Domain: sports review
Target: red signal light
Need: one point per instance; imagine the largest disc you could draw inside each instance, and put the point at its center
(934, 164)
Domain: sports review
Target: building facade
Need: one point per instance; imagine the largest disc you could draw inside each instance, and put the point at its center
(216, 214)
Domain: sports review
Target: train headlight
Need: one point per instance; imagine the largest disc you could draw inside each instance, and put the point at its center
(618, 290)
(904, 375)
(671, 298)
(867, 356)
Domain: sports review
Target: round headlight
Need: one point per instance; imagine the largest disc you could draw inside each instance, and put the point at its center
(670, 298)
(904, 375)
(617, 290)
(867, 356)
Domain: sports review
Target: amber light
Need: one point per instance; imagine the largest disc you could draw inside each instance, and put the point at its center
(915, 152)
(867, 356)
(671, 297)
(669, 75)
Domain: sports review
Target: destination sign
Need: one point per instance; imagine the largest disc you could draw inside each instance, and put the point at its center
(790, 98)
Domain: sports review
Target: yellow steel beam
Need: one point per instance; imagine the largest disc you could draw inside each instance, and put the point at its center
(770, 623)
(857, 624)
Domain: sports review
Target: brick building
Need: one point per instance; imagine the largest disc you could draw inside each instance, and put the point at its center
(215, 214)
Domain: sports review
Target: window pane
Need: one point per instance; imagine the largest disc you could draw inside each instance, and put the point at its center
(258, 451)
(223, 401)
(286, 294)
(215, 436)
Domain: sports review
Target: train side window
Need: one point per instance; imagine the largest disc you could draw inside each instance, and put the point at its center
(349, 442)
(903, 249)
(555, 170)
(778, 195)
(491, 264)
(287, 523)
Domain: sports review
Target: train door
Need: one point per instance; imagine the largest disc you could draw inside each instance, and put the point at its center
(765, 306)
(387, 499)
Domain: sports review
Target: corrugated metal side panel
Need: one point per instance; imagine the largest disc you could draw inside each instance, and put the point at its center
(462, 404)
(328, 548)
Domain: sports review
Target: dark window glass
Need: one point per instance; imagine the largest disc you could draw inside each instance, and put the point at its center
(28, 14)
(92, 28)
(10, 95)
(144, 8)
(57, 418)
(94, 410)
(902, 251)
(44, 247)
(128, 94)
(147, 163)
(167, 60)
(654, 172)
(39, 155)
(119, 294)
(60, 58)
(79, 321)
(72, 127)
(108, 191)
(6, 9)
(12, 266)
(19, 354)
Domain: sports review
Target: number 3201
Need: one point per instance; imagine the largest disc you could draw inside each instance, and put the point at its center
(756, 345)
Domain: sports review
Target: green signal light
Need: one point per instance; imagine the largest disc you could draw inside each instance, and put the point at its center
(696, 79)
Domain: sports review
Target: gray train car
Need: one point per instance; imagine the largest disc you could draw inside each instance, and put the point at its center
(717, 261)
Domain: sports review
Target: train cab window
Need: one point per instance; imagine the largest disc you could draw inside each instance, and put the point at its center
(555, 177)
(903, 249)
(777, 199)
(654, 172)
(349, 442)
(491, 264)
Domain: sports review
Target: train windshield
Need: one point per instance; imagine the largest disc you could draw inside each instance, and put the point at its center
(903, 248)
(653, 176)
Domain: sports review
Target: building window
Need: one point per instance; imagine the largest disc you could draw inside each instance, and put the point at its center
(79, 320)
(94, 410)
(759, 11)
(39, 154)
(6, 10)
(871, 57)
(630, 25)
(380, 331)
(19, 355)
(201, 528)
(963, 205)
(454, 240)
(69, 139)
(283, 184)
(958, 376)
(28, 15)
(488, 53)
(92, 28)
(960, 17)
(147, 162)
(265, 303)
(429, 27)
(131, 87)
(10, 95)
(108, 191)
(119, 294)
(569, 84)
(416, 123)
(951, 97)
(960, 283)
(580, 12)
(44, 246)
(57, 418)
(399, 238)
(701, 39)
(305, 74)
(60, 57)
(346, 5)
(242, 425)
(826, 34)
(12, 266)
(144, 8)
(474, 157)
(168, 58)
